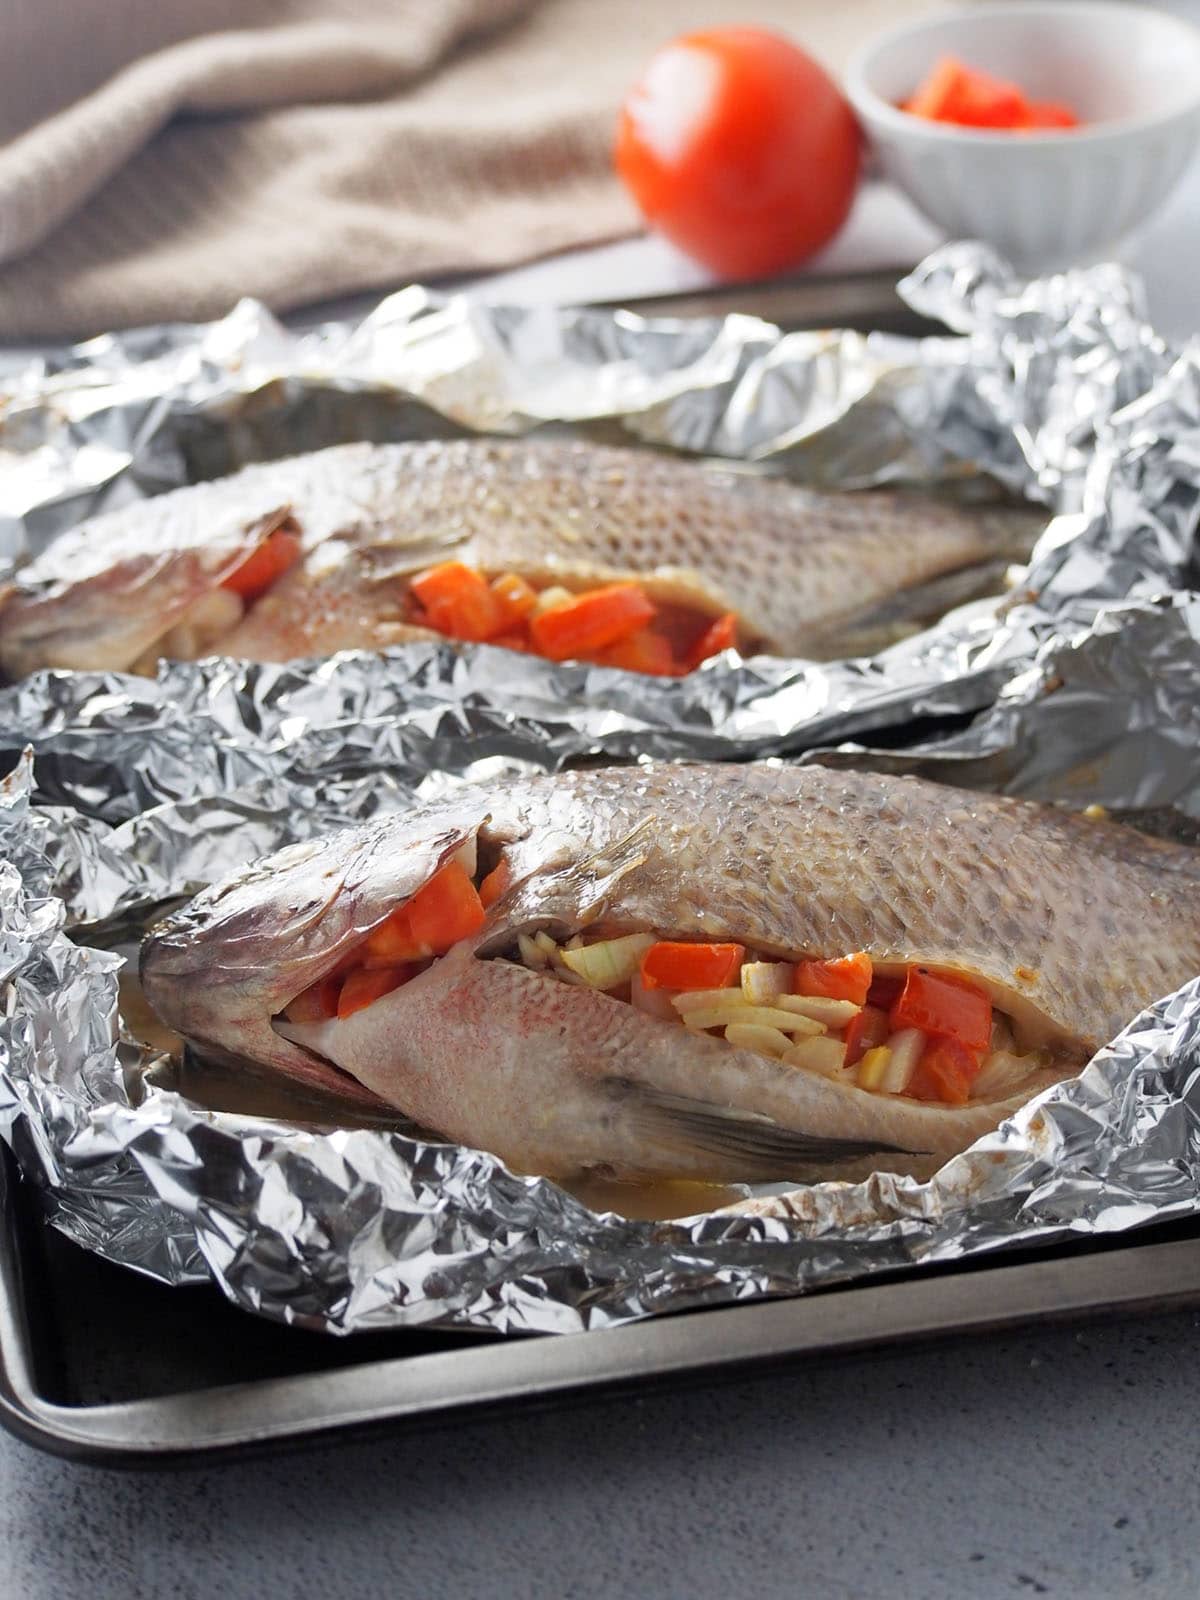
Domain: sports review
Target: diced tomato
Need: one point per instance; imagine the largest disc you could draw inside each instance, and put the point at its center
(670, 965)
(446, 909)
(589, 622)
(392, 941)
(952, 92)
(517, 597)
(643, 651)
(722, 635)
(945, 1072)
(1047, 114)
(607, 625)
(367, 984)
(512, 641)
(947, 1007)
(457, 601)
(987, 102)
(848, 978)
(884, 992)
(864, 1032)
(935, 94)
(956, 93)
(443, 911)
(264, 566)
(317, 1003)
(495, 884)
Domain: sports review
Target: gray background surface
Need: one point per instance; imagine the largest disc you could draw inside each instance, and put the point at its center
(1063, 1462)
(1060, 1463)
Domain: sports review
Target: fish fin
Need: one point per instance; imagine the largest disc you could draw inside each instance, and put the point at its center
(769, 1149)
(598, 873)
(908, 610)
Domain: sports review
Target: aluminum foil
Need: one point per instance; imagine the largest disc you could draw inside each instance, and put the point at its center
(1083, 688)
(1023, 391)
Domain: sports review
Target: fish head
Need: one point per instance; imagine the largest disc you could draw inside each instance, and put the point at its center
(102, 597)
(230, 960)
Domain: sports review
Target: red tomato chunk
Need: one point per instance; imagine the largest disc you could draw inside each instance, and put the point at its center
(944, 1006)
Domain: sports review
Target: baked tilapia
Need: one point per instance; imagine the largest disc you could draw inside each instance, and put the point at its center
(715, 972)
(319, 553)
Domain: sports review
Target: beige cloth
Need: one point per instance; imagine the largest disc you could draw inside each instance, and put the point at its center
(160, 158)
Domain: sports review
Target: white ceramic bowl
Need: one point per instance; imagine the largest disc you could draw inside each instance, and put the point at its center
(1046, 199)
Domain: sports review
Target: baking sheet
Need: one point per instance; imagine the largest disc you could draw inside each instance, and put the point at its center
(102, 1366)
(1057, 388)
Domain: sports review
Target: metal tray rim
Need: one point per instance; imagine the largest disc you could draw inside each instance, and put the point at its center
(211, 1422)
(435, 1388)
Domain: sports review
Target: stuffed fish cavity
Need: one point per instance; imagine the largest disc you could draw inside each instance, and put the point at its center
(715, 972)
(624, 557)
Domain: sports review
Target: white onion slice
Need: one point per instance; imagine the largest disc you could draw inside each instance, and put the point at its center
(764, 1041)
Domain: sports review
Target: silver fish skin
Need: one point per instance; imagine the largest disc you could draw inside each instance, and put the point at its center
(1072, 924)
(797, 567)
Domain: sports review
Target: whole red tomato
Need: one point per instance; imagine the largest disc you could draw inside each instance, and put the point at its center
(741, 149)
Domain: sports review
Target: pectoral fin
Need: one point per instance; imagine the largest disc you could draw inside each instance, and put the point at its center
(722, 1133)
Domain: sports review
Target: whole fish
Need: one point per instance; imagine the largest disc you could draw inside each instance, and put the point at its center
(799, 570)
(1068, 925)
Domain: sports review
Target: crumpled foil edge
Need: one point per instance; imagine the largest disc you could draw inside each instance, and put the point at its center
(147, 790)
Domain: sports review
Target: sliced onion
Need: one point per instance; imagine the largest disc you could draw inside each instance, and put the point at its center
(762, 981)
(609, 962)
(556, 595)
(765, 1041)
(702, 999)
(873, 1066)
(720, 1016)
(467, 856)
(907, 1047)
(822, 1054)
(833, 1013)
(531, 952)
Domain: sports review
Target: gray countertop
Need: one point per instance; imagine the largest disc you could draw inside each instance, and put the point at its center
(1063, 1461)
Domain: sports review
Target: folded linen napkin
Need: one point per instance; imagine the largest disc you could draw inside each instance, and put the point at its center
(160, 158)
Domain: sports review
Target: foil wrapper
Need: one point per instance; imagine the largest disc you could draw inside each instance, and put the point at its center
(125, 794)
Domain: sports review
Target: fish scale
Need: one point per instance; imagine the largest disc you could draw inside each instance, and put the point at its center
(796, 566)
(1071, 922)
